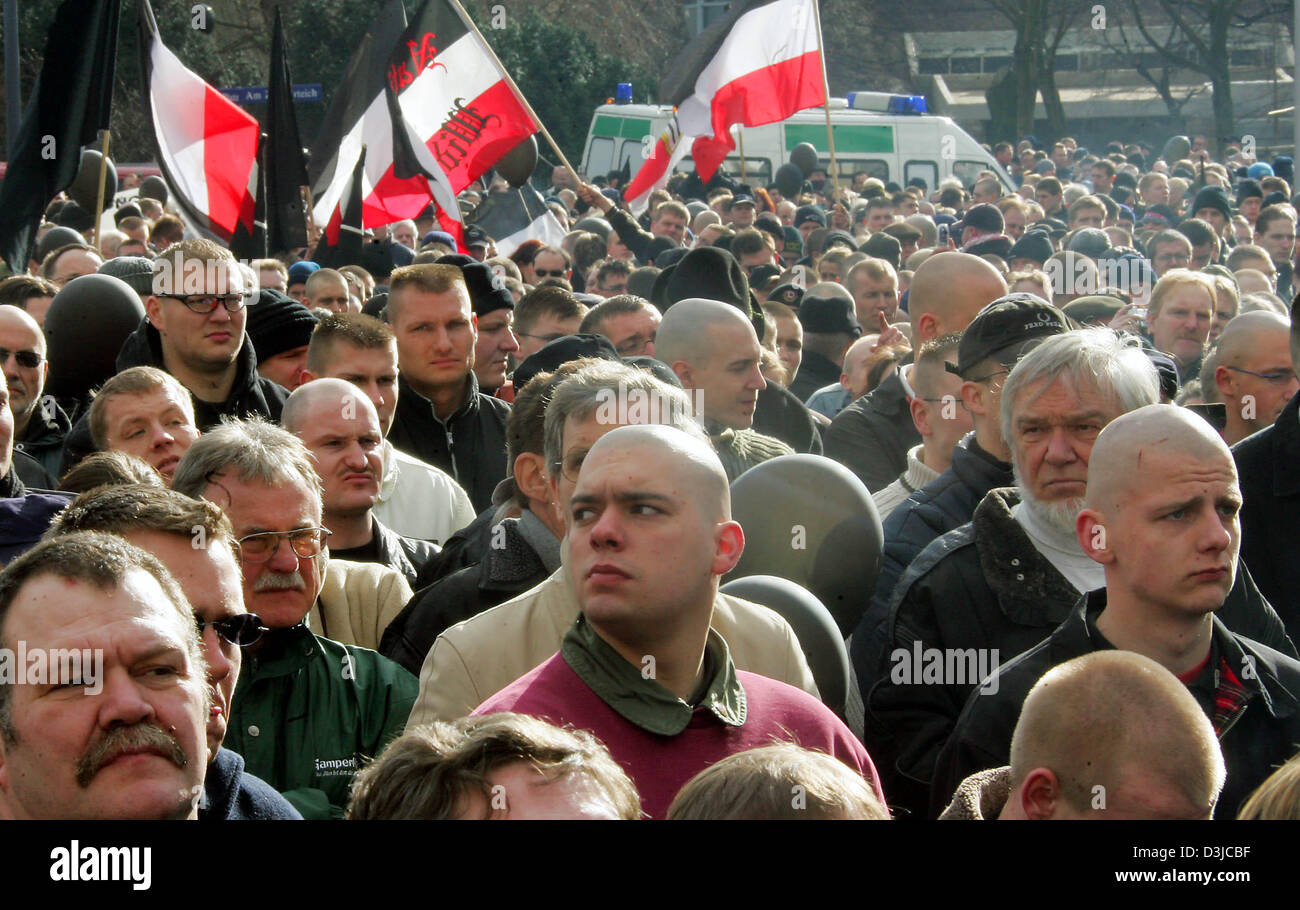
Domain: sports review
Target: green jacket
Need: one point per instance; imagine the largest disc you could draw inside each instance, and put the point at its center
(309, 711)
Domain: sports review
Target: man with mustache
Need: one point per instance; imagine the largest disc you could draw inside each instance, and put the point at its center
(39, 423)
(340, 427)
(125, 740)
(1161, 519)
(311, 706)
(144, 412)
(196, 542)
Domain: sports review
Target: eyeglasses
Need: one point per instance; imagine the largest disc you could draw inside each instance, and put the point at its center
(988, 377)
(305, 542)
(203, 304)
(548, 273)
(545, 339)
(242, 630)
(28, 360)
(1281, 377)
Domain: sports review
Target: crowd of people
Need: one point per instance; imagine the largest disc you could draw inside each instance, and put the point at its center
(441, 532)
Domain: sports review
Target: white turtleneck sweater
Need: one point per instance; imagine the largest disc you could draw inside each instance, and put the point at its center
(1061, 550)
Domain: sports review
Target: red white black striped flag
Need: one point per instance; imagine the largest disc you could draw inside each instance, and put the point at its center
(207, 145)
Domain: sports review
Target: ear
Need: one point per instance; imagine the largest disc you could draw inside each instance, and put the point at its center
(305, 376)
(927, 326)
(153, 311)
(972, 397)
(1224, 380)
(684, 372)
(531, 479)
(729, 544)
(1039, 795)
(920, 415)
(1090, 528)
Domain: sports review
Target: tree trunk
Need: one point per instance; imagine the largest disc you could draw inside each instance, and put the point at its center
(1225, 123)
(1052, 101)
(1026, 88)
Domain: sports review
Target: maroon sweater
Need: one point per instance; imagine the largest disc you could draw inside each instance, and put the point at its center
(661, 765)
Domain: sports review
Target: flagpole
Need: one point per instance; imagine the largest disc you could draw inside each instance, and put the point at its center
(826, 87)
(469, 23)
(99, 193)
(740, 138)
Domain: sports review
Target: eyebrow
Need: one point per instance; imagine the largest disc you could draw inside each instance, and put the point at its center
(1068, 418)
(625, 496)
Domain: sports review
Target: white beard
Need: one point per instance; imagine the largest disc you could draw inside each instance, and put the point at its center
(1059, 515)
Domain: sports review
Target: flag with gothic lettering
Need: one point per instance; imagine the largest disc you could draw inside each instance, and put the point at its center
(457, 109)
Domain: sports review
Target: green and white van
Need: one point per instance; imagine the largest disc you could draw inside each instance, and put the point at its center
(891, 146)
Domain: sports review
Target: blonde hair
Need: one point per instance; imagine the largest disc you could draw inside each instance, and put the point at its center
(1277, 798)
(1178, 278)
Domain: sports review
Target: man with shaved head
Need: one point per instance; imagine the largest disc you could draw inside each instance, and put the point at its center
(340, 427)
(715, 353)
(328, 289)
(476, 658)
(1160, 517)
(873, 434)
(1110, 735)
(1253, 372)
(641, 668)
(39, 423)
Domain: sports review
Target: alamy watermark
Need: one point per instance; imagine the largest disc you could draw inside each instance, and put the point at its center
(921, 666)
(53, 667)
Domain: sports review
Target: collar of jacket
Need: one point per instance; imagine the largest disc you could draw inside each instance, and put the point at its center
(10, 486)
(1285, 446)
(1078, 635)
(284, 652)
(820, 367)
(504, 567)
(977, 468)
(48, 423)
(642, 701)
(1028, 587)
(425, 406)
(980, 797)
(388, 544)
(889, 397)
(144, 348)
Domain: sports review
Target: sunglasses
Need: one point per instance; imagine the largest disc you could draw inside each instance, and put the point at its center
(28, 360)
(242, 630)
(549, 273)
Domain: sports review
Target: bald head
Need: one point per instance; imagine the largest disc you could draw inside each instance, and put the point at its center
(1116, 466)
(309, 401)
(948, 290)
(1118, 732)
(688, 330)
(1252, 281)
(690, 462)
(18, 323)
(1247, 333)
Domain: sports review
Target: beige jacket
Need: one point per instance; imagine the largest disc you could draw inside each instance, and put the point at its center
(479, 657)
(358, 601)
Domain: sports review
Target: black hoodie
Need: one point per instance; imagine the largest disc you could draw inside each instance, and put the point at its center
(250, 395)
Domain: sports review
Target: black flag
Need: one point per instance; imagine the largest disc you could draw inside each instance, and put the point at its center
(340, 242)
(70, 103)
(285, 169)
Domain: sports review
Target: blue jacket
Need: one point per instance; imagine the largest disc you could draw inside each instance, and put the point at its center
(231, 794)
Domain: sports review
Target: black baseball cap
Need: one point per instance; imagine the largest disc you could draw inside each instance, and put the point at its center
(1006, 330)
(476, 236)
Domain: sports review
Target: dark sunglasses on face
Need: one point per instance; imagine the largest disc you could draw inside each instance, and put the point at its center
(28, 360)
(549, 273)
(242, 630)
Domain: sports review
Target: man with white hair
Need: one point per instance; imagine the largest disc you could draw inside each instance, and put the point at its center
(715, 353)
(1017, 568)
(309, 708)
(1160, 518)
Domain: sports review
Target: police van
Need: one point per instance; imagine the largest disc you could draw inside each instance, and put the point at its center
(888, 136)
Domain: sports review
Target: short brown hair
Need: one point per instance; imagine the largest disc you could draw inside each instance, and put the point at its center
(142, 507)
(430, 771)
(18, 289)
(782, 781)
(132, 381)
(357, 329)
(430, 278)
(106, 468)
(547, 300)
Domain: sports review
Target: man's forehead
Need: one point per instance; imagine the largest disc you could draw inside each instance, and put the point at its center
(280, 506)
(346, 357)
(1062, 395)
(57, 609)
(17, 335)
(620, 466)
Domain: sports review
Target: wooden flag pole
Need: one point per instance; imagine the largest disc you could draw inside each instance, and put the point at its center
(469, 23)
(740, 138)
(826, 87)
(99, 193)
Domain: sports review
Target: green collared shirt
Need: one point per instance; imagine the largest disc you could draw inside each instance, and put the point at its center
(638, 698)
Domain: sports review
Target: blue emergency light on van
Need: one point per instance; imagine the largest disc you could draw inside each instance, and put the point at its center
(886, 103)
(624, 93)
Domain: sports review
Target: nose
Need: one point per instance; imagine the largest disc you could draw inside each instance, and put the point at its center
(354, 457)
(607, 532)
(757, 381)
(1060, 448)
(284, 559)
(1217, 532)
(510, 343)
(219, 665)
(161, 437)
(121, 702)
